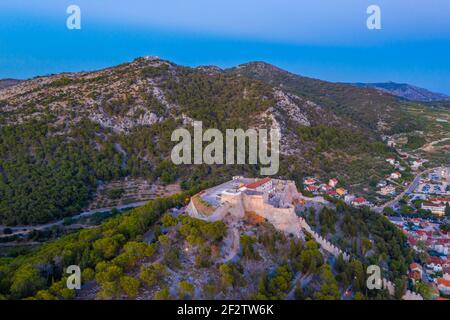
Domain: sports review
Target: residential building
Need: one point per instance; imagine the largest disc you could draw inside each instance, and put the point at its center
(416, 271)
(262, 185)
(395, 175)
(444, 285)
(349, 198)
(326, 187)
(308, 182)
(311, 188)
(359, 202)
(437, 209)
(382, 183)
(390, 189)
(391, 160)
(333, 182)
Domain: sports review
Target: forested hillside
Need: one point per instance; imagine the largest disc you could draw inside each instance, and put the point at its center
(62, 135)
(184, 259)
(369, 109)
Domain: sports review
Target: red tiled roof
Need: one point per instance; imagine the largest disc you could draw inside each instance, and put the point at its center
(440, 200)
(431, 204)
(360, 200)
(414, 266)
(435, 260)
(444, 282)
(412, 240)
(258, 183)
(415, 275)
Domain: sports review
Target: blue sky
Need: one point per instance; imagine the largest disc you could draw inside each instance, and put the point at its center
(325, 39)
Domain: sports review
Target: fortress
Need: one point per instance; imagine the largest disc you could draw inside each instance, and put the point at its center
(271, 199)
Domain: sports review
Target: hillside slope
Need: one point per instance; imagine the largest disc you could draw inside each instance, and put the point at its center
(5, 83)
(63, 135)
(373, 111)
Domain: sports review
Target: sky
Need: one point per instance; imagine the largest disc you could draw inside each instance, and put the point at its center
(325, 39)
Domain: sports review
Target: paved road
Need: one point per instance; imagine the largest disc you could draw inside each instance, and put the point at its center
(413, 185)
(27, 229)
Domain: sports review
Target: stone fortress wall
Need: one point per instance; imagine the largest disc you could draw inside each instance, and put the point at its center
(282, 217)
(324, 243)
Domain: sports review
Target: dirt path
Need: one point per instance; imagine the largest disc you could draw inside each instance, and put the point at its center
(430, 146)
(304, 280)
(234, 241)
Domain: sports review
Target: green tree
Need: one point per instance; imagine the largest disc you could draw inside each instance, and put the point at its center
(400, 287)
(424, 290)
(328, 285)
(153, 274)
(26, 282)
(130, 286)
(168, 221)
(359, 296)
(248, 250)
(163, 294)
(388, 211)
(108, 277)
(185, 290)
(107, 248)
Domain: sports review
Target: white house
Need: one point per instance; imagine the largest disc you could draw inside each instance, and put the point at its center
(349, 198)
(437, 209)
(434, 267)
(395, 175)
(390, 189)
(391, 160)
(333, 182)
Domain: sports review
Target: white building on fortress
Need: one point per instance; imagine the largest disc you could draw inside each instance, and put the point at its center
(272, 199)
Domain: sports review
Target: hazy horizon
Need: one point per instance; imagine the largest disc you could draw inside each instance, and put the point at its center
(325, 41)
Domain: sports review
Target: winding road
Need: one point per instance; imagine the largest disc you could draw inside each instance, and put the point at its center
(17, 230)
(413, 185)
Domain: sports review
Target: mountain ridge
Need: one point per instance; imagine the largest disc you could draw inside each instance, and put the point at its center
(405, 91)
(59, 134)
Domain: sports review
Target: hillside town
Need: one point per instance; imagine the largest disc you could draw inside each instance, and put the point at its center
(420, 211)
